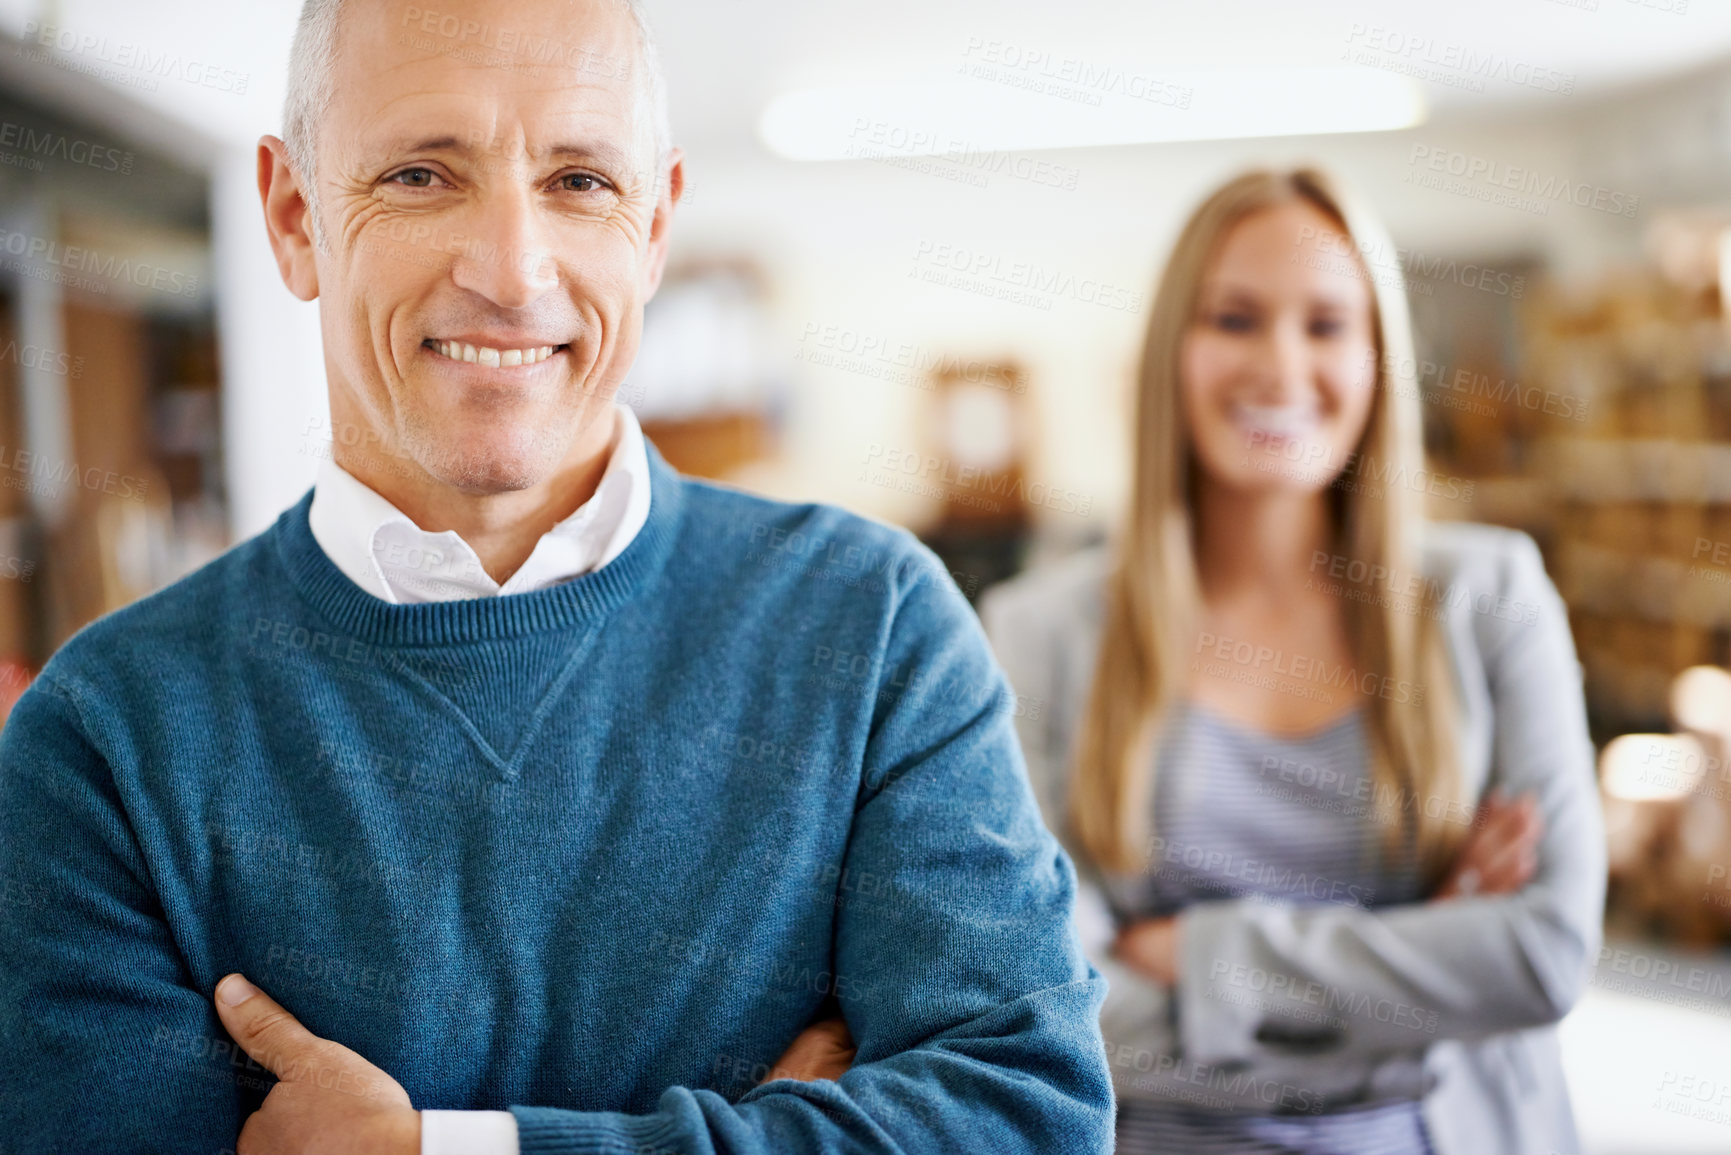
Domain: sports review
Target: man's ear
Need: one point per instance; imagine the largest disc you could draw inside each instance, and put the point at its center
(667, 196)
(287, 219)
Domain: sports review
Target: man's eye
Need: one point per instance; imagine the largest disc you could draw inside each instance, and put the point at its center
(415, 178)
(581, 182)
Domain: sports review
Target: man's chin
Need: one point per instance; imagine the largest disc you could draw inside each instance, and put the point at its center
(479, 470)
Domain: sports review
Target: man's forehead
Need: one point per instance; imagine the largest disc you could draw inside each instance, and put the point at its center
(523, 45)
(541, 76)
(536, 30)
(598, 35)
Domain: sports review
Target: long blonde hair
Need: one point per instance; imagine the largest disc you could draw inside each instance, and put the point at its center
(1152, 595)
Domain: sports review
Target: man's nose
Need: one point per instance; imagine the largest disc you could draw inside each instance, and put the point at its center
(507, 259)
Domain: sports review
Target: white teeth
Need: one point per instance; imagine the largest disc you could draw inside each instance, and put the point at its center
(1281, 420)
(490, 357)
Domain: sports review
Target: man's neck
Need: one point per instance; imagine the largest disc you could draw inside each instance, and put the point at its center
(502, 528)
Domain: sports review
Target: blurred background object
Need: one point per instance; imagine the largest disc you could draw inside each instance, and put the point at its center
(979, 442)
(705, 385)
(910, 278)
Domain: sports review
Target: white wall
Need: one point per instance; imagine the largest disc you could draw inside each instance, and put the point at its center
(275, 414)
(840, 239)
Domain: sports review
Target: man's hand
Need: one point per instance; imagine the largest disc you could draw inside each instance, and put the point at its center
(328, 1099)
(823, 1050)
(1151, 946)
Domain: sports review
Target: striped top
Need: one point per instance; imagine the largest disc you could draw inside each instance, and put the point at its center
(1239, 813)
(1493, 973)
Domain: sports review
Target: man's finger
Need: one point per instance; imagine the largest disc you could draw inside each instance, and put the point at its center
(273, 1037)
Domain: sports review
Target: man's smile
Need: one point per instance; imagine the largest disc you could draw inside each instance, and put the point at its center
(491, 356)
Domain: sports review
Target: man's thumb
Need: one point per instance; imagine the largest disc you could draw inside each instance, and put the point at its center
(273, 1037)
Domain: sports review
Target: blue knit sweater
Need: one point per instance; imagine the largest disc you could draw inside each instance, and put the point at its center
(594, 854)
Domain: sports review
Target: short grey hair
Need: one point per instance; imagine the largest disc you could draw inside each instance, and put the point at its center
(311, 84)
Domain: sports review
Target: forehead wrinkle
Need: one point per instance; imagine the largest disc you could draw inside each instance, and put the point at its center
(612, 44)
(600, 154)
(574, 145)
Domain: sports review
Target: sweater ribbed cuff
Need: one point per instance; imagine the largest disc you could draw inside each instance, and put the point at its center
(547, 1131)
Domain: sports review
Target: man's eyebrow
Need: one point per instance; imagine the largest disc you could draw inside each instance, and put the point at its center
(598, 153)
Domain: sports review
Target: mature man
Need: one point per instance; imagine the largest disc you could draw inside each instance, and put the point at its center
(528, 779)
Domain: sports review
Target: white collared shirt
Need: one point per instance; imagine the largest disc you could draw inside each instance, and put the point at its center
(379, 549)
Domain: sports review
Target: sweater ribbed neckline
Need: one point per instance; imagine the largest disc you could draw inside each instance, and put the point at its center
(576, 602)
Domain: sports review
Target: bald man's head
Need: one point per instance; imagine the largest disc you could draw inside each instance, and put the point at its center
(448, 28)
(486, 216)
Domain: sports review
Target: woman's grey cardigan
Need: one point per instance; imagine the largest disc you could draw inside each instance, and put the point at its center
(1454, 1001)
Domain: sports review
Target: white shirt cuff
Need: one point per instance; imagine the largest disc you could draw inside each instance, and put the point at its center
(468, 1133)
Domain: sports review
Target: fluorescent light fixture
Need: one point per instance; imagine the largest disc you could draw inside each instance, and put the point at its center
(959, 116)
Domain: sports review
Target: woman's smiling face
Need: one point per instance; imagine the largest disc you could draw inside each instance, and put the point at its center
(1279, 364)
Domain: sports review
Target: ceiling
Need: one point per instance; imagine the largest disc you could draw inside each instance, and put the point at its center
(726, 58)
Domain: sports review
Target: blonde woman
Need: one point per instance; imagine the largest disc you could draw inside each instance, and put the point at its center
(1323, 764)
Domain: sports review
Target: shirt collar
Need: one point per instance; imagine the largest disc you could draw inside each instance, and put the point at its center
(382, 551)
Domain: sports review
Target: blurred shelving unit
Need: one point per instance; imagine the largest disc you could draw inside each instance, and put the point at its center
(1639, 493)
(1597, 418)
(111, 464)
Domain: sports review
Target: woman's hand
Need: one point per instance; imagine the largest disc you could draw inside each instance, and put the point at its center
(823, 1050)
(1150, 945)
(1501, 853)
